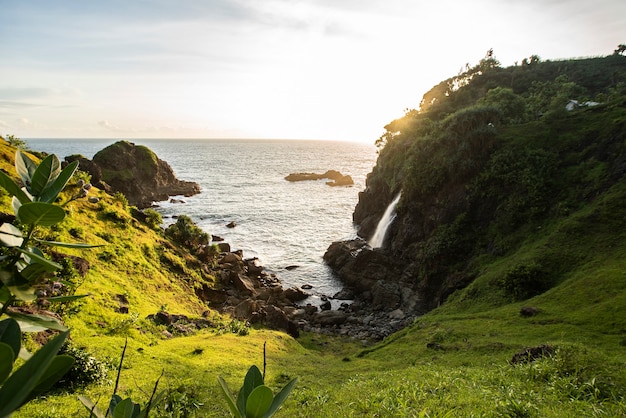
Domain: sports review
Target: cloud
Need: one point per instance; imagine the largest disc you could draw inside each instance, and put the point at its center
(20, 93)
(107, 125)
(13, 105)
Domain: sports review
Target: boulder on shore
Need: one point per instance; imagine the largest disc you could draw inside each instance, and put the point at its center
(136, 172)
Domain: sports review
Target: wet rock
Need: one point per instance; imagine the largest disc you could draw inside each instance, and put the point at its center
(295, 294)
(344, 294)
(224, 247)
(326, 306)
(231, 224)
(231, 258)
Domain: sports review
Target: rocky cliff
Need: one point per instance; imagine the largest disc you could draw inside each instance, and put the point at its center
(135, 171)
(481, 167)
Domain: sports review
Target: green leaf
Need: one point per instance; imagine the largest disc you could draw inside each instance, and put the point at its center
(280, 398)
(17, 285)
(34, 255)
(40, 213)
(229, 397)
(10, 334)
(35, 322)
(126, 409)
(68, 244)
(259, 402)
(13, 189)
(17, 388)
(253, 379)
(56, 370)
(7, 357)
(34, 272)
(115, 399)
(10, 235)
(25, 168)
(52, 191)
(46, 173)
(91, 407)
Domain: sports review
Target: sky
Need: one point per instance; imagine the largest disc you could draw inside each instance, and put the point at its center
(289, 69)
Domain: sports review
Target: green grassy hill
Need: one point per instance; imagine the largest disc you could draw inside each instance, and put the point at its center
(453, 361)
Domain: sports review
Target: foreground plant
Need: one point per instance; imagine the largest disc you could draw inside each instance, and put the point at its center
(255, 400)
(24, 267)
(122, 408)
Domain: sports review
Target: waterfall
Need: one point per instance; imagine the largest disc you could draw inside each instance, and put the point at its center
(378, 238)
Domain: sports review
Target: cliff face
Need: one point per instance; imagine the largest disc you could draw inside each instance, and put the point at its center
(480, 168)
(136, 172)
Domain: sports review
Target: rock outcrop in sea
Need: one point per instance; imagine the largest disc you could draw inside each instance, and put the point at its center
(136, 172)
(337, 179)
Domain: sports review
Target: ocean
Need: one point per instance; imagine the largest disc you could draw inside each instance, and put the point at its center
(287, 226)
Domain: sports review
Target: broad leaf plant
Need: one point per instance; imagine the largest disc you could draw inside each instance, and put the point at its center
(23, 266)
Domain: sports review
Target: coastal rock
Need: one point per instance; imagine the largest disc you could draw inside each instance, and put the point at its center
(295, 294)
(329, 318)
(92, 168)
(344, 294)
(337, 178)
(136, 172)
(223, 247)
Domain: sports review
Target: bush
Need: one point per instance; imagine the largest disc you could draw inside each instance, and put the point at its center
(524, 281)
(86, 369)
(153, 218)
(186, 233)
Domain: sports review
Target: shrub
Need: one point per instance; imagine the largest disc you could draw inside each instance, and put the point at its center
(186, 233)
(153, 218)
(86, 369)
(524, 281)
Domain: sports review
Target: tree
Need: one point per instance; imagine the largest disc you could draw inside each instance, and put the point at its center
(16, 142)
(621, 48)
(512, 105)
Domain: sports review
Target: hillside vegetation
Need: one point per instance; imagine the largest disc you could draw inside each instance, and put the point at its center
(508, 201)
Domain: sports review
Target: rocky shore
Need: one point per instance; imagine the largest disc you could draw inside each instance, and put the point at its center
(247, 292)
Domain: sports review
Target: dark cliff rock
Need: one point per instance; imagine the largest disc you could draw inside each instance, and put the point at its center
(135, 171)
(377, 277)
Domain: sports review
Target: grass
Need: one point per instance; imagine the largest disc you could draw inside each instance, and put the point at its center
(454, 361)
